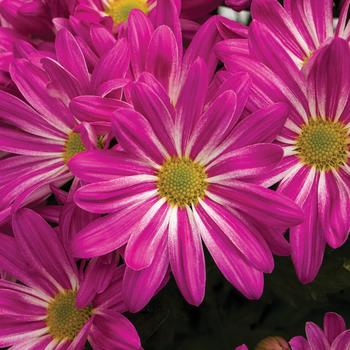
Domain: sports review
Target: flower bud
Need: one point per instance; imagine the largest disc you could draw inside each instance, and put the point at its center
(273, 343)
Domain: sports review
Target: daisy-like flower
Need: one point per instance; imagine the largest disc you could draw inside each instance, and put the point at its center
(301, 27)
(39, 139)
(57, 306)
(333, 336)
(315, 169)
(185, 176)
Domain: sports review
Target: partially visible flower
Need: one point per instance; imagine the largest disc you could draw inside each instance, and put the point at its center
(55, 305)
(39, 139)
(315, 171)
(334, 335)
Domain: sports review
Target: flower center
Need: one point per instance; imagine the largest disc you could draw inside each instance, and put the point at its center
(119, 9)
(64, 319)
(323, 144)
(73, 146)
(182, 181)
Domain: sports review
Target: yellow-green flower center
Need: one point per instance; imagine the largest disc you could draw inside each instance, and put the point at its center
(119, 9)
(64, 319)
(182, 181)
(323, 144)
(73, 146)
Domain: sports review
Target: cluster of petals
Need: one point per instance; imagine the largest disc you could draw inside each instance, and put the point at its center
(333, 336)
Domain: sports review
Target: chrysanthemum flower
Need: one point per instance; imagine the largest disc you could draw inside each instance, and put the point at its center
(315, 169)
(184, 177)
(57, 306)
(301, 27)
(39, 139)
(334, 336)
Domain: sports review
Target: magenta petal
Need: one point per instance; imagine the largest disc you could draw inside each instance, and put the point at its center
(262, 126)
(245, 238)
(43, 249)
(191, 100)
(147, 236)
(333, 325)
(112, 330)
(186, 255)
(71, 57)
(248, 280)
(316, 337)
(261, 203)
(342, 341)
(334, 202)
(308, 242)
(158, 111)
(140, 286)
(114, 195)
(107, 233)
(136, 136)
(95, 108)
(163, 59)
(95, 166)
(213, 127)
(299, 343)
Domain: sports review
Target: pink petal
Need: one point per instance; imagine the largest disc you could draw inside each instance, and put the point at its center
(111, 330)
(342, 341)
(316, 337)
(231, 263)
(186, 255)
(333, 325)
(140, 286)
(42, 249)
(247, 240)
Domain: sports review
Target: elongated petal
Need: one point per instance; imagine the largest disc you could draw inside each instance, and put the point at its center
(316, 337)
(186, 255)
(162, 58)
(191, 100)
(71, 57)
(231, 263)
(42, 248)
(94, 108)
(247, 240)
(140, 286)
(112, 330)
(136, 136)
(261, 203)
(333, 325)
(108, 233)
(342, 341)
(158, 111)
(213, 127)
(334, 199)
(147, 237)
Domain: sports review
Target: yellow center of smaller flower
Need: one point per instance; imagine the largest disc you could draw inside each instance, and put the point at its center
(119, 9)
(182, 181)
(64, 319)
(73, 146)
(323, 144)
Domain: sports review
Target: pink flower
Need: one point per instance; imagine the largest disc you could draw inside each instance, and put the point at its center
(334, 335)
(185, 175)
(39, 139)
(315, 169)
(57, 305)
(300, 27)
